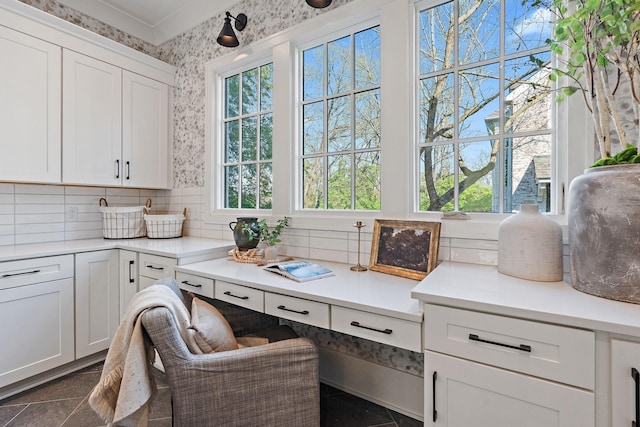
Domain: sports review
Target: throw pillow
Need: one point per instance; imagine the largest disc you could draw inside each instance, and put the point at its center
(209, 329)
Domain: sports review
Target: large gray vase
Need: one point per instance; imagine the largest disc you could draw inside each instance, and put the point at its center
(604, 232)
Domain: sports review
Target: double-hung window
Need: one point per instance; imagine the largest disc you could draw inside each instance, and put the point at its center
(484, 106)
(340, 110)
(248, 128)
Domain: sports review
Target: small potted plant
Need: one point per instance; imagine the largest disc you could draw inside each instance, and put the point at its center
(599, 43)
(270, 237)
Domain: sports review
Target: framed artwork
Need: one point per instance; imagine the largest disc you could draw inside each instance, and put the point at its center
(405, 248)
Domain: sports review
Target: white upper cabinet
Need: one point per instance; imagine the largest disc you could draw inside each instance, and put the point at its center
(115, 125)
(78, 108)
(145, 131)
(92, 124)
(30, 84)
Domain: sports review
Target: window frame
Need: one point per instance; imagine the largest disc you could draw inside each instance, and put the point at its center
(215, 131)
(399, 191)
(455, 70)
(300, 47)
(240, 117)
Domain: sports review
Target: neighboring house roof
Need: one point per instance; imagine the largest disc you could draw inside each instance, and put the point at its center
(543, 167)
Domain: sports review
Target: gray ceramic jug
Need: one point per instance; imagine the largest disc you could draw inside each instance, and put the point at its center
(243, 241)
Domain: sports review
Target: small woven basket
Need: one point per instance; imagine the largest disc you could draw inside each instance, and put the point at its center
(165, 226)
(123, 222)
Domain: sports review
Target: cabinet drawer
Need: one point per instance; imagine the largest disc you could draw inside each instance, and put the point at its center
(36, 270)
(157, 267)
(387, 330)
(297, 309)
(555, 352)
(196, 284)
(240, 295)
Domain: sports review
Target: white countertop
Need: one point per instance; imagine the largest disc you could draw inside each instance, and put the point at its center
(483, 288)
(370, 291)
(173, 248)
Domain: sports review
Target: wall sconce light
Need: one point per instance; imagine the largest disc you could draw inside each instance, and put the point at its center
(319, 4)
(227, 37)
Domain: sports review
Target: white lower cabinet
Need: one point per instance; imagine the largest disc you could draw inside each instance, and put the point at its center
(97, 301)
(486, 370)
(460, 393)
(625, 383)
(128, 278)
(36, 314)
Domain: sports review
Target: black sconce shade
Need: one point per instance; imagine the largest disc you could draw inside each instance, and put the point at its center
(318, 4)
(227, 36)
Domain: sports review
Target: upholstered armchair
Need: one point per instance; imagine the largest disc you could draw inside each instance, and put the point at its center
(274, 384)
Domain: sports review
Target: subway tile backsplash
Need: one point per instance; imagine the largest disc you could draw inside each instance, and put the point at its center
(45, 213)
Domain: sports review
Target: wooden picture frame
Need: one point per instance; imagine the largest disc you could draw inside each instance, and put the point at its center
(405, 248)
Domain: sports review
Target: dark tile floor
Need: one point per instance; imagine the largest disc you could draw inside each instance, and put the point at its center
(63, 402)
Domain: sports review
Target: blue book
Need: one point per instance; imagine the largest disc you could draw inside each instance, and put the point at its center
(300, 271)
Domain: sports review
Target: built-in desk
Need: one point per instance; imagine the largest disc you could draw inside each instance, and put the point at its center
(370, 305)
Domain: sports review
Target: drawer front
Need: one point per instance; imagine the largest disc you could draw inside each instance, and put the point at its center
(157, 267)
(555, 352)
(375, 327)
(145, 282)
(196, 284)
(35, 270)
(297, 309)
(240, 295)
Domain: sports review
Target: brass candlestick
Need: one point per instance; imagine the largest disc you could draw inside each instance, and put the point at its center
(358, 267)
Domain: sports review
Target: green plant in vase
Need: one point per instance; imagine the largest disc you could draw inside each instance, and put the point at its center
(270, 236)
(597, 43)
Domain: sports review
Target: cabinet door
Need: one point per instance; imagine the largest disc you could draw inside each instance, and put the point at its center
(92, 130)
(466, 394)
(128, 278)
(97, 301)
(625, 383)
(36, 329)
(30, 91)
(145, 125)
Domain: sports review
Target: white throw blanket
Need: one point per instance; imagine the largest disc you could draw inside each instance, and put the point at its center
(126, 385)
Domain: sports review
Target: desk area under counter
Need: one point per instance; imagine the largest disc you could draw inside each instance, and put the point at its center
(370, 305)
(367, 326)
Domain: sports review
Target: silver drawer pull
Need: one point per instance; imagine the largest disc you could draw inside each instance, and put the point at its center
(382, 331)
(4, 276)
(282, 307)
(153, 267)
(521, 347)
(184, 282)
(235, 296)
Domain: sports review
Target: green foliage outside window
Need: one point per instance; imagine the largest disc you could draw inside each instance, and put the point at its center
(248, 147)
